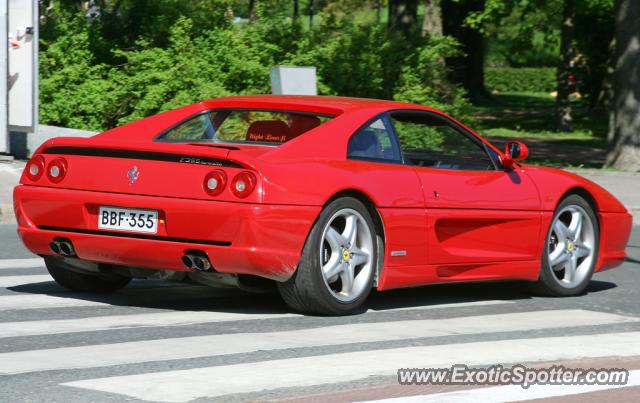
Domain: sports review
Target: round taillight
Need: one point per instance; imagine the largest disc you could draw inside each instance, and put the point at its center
(35, 168)
(57, 170)
(243, 184)
(215, 182)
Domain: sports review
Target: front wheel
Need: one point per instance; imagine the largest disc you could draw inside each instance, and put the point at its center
(570, 252)
(338, 262)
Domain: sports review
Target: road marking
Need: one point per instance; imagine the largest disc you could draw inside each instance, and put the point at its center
(185, 385)
(205, 346)
(449, 305)
(39, 301)
(180, 318)
(20, 263)
(15, 281)
(510, 393)
(130, 297)
(101, 323)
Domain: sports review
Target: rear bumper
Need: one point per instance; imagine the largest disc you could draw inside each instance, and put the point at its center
(241, 238)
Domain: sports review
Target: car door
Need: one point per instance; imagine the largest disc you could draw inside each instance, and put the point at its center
(477, 212)
(374, 154)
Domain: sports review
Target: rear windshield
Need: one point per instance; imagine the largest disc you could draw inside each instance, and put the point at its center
(244, 126)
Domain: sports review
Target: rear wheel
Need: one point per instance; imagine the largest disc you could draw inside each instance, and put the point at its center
(338, 262)
(86, 282)
(571, 249)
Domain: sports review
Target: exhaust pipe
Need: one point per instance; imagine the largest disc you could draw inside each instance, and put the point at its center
(202, 264)
(188, 261)
(66, 249)
(62, 246)
(55, 248)
(196, 260)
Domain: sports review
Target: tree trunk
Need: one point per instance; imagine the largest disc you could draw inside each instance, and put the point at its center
(606, 95)
(563, 105)
(403, 15)
(296, 8)
(624, 152)
(312, 10)
(467, 69)
(252, 11)
(432, 21)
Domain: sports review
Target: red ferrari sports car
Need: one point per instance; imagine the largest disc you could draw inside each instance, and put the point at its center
(326, 197)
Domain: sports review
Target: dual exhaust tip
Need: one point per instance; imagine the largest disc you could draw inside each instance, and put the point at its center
(196, 260)
(62, 246)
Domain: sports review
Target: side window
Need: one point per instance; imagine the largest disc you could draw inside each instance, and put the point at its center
(374, 142)
(432, 141)
(194, 129)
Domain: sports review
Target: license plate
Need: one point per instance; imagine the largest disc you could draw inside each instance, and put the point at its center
(126, 219)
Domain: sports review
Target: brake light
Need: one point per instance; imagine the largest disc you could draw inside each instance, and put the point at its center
(215, 182)
(57, 170)
(243, 184)
(35, 168)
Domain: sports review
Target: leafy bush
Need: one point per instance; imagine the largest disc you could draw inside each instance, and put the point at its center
(520, 79)
(424, 79)
(83, 88)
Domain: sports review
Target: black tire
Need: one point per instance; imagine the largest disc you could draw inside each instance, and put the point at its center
(547, 285)
(75, 281)
(306, 291)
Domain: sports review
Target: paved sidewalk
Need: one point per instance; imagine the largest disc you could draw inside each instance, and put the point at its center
(624, 185)
(10, 172)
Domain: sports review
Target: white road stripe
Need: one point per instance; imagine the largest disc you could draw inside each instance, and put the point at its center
(21, 263)
(449, 305)
(222, 344)
(39, 301)
(159, 293)
(185, 385)
(179, 318)
(101, 323)
(14, 281)
(510, 393)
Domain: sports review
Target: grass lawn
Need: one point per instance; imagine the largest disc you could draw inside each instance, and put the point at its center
(530, 117)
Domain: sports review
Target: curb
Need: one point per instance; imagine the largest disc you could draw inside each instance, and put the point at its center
(6, 214)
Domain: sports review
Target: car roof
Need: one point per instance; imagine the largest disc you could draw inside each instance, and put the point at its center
(321, 104)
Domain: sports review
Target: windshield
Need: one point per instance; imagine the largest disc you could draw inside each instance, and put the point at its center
(244, 126)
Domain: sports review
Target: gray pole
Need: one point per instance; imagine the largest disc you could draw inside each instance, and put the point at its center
(4, 76)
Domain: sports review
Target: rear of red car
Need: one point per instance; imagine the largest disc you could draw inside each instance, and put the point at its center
(183, 205)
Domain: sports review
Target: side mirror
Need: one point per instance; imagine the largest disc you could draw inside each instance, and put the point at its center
(514, 151)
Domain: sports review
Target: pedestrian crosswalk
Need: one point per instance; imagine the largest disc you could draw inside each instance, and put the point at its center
(185, 385)
(215, 345)
(14, 281)
(21, 263)
(160, 351)
(178, 318)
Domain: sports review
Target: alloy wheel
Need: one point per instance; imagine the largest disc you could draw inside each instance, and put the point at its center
(346, 252)
(571, 246)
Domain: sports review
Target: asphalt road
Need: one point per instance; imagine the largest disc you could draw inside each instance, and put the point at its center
(178, 342)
